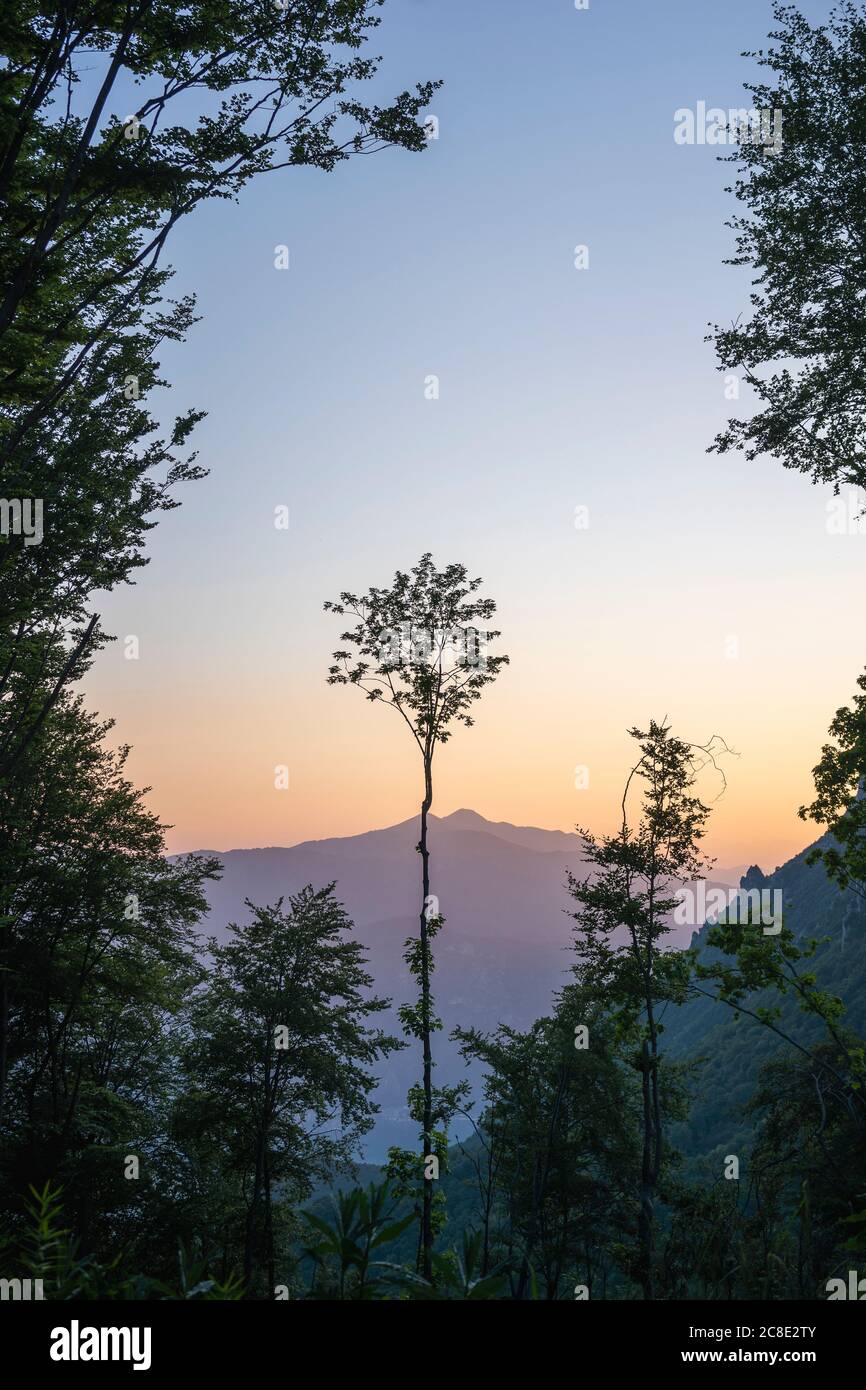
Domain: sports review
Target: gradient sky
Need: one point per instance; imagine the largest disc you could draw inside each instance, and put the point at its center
(558, 388)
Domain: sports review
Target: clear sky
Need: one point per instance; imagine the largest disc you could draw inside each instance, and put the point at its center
(558, 388)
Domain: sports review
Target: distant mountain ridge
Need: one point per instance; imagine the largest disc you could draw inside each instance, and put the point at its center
(506, 943)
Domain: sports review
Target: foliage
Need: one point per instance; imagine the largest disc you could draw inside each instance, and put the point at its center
(456, 1276)
(802, 234)
(278, 1058)
(364, 1221)
(559, 1130)
(46, 1250)
(98, 955)
(221, 92)
(623, 917)
(415, 647)
(840, 803)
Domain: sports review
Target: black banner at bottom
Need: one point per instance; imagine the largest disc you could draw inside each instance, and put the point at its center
(239, 1338)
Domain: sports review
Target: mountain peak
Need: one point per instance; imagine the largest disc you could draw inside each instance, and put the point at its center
(754, 877)
(465, 816)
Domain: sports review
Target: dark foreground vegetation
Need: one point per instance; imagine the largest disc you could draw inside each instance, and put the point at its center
(683, 1124)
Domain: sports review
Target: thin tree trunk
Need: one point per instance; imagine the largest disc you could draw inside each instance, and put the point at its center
(488, 1213)
(4, 1034)
(427, 1207)
(540, 1174)
(529, 1247)
(269, 1228)
(252, 1212)
(652, 1125)
(645, 1219)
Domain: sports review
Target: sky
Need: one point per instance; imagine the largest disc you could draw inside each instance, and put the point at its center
(704, 589)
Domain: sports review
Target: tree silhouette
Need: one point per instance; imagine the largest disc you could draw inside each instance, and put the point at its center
(282, 1040)
(802, 234)
(840, 796)
(623, 918)
(91, 194)
(417, 647)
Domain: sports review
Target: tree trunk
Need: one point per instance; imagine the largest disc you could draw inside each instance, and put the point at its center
(488, 1213)
(269, 1228)
(4, 1033)
(652, 1122)
(647, 1184)
(427, 1124)
(252, 1214)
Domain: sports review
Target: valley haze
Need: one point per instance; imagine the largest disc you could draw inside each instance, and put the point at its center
(505, 946)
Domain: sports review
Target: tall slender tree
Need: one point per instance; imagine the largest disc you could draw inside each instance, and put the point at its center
(624, 915)
(417, 647)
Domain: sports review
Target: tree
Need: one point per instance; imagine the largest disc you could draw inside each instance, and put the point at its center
(811, 1146)
(803, 233)
(416, 647)
(222, 92)
(752, 962)
(840, 803)
(623, 918)
(558, 1130)
(278, 1060)
(97, 957)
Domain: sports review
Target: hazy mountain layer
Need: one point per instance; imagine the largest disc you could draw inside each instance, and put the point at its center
(505, 945)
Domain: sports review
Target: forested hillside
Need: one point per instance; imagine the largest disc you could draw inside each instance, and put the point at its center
(723, 1055)
(732, 1050)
